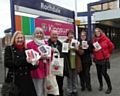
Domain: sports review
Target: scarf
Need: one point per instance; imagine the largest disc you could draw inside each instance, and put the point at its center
(39, 42)
(19, 47)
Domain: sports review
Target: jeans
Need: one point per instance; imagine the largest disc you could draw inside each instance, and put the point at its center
(72, 82)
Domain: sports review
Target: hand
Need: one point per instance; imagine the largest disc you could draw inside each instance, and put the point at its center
(53, 50)
(76, 48)
(86, 46)
(28, 60)
(96, 50)
(44, 56)
(68, 47)
(36, 62)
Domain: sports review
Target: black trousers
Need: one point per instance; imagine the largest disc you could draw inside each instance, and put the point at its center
(102, 71)
(85, 77)
(60, 85)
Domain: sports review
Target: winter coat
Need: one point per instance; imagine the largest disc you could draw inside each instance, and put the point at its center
(78, 63)
(18, 62)
(42, 70)
(107, 48)
(85, 58)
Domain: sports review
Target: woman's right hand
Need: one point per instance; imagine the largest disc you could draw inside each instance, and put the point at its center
(44, 56)
(28, 60)
(96, 50)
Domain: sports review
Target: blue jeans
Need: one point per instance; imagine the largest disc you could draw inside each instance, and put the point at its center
(72, 82)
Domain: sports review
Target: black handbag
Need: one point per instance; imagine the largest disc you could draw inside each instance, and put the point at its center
(10, 89)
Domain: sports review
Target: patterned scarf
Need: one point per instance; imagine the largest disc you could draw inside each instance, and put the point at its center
(39, 42)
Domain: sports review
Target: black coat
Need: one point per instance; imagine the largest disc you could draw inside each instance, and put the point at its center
(22, 70)
(85, 58)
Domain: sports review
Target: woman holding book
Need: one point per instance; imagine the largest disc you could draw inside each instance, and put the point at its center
(86, 62)
(103, 47)
(39, 74)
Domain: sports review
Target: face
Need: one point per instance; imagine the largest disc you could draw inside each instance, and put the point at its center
(54, 36)
(97, 33)
(83, 36)
(19, 39)
(70, 36)
(39, 35)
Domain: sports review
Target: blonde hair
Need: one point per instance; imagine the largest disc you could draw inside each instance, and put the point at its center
(38, 29)
(101, 32)
(14, 36)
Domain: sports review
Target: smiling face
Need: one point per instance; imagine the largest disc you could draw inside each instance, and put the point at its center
(54, 36)
(39, 35)
(70, 36)
(98, 32)
(83, 36)
(19, 39)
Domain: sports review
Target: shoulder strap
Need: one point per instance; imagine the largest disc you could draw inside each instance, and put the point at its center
(103, 54)
(13, 69)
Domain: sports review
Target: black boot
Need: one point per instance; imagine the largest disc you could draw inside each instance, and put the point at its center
(100, 88)
(109, 90)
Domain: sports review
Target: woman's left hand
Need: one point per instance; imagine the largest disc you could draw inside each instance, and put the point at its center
(36, 62)
(76, 48)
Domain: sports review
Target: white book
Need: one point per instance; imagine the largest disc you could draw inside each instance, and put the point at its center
(84, 43)
(97, 45)
(65, 47)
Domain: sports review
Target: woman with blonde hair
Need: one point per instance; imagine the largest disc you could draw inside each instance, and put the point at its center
(17, 62)
(39, 74)
(103, 47)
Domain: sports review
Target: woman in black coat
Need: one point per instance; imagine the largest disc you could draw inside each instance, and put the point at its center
(20, 64)
(86, 62)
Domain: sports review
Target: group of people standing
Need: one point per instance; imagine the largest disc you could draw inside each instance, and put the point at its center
(77, 61)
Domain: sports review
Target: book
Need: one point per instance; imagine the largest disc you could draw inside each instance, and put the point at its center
(65, 47)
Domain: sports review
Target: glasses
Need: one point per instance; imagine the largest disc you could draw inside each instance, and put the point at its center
(83, 35)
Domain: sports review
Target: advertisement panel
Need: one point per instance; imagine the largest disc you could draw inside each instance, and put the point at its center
(28, 24)
(48, 25)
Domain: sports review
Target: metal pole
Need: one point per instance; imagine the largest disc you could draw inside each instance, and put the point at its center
(76, 28)
(89, 22)
(12, 16)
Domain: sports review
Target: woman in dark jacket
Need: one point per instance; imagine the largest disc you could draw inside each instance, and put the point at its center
(20, 64)
(86, 62)
(102, 54)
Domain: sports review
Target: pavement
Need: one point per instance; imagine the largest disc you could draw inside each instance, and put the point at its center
(113, 72)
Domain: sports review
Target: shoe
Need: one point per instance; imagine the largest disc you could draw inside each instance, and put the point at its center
(89, 89)
(109, 90)
(75, 94)
(69, 94)
(83, 89)
(100, 88)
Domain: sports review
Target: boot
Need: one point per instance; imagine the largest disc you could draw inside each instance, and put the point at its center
(109, 90)
(100, 88)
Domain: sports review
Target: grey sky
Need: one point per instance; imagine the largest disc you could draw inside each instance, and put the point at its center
(69, 4)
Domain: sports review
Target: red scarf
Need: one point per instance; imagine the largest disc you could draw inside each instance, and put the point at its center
(20, 47)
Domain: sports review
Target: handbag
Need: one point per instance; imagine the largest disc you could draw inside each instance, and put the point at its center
(10, 89)
(51, 85)
(57, 65)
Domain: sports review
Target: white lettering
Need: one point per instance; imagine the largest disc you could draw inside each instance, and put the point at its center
(50, 8)
(59, 29)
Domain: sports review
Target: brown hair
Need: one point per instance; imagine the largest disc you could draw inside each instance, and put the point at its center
(101, 32)
(14, 36)
(70, 31)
